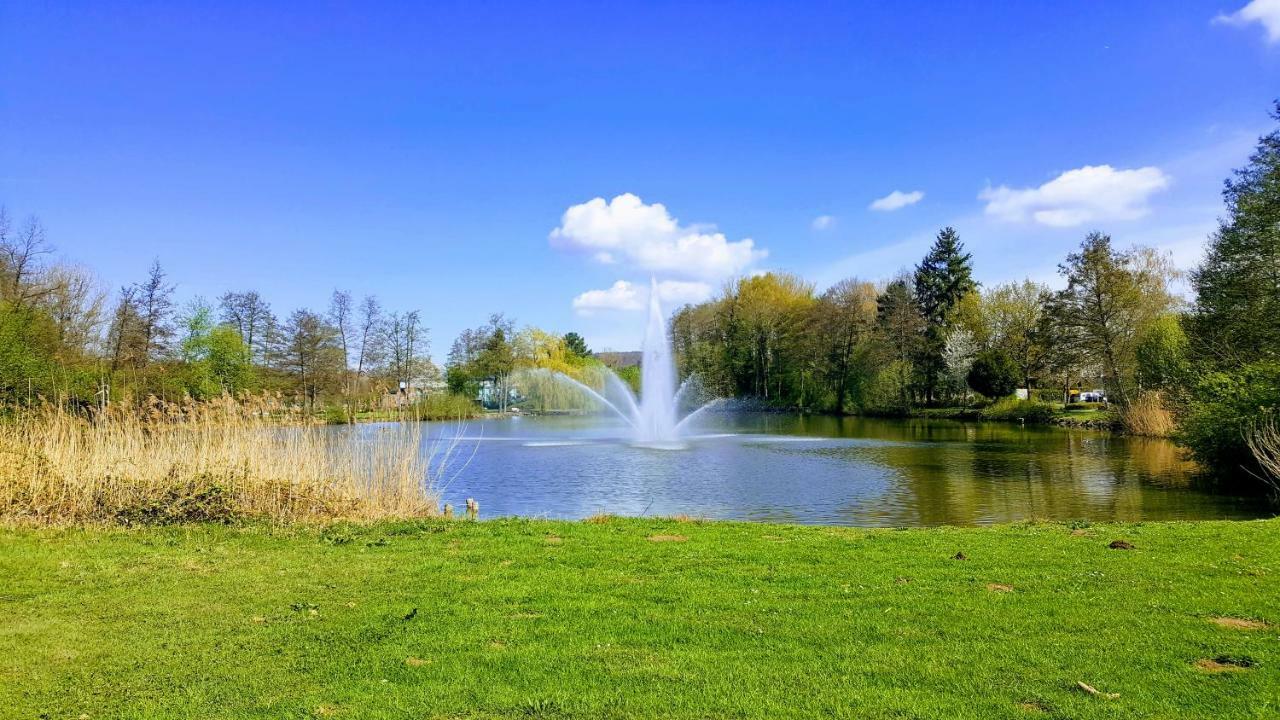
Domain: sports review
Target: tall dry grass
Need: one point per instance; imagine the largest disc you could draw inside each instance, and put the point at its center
(1147, 416)
(1264, 443)
(218, 461)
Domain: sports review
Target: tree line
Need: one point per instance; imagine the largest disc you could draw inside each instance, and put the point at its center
(62, 337)
(1208, 366)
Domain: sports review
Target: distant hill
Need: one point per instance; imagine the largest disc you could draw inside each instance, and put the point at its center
(619, 360)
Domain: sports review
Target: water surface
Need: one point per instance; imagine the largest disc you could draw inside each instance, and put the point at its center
(826, 470)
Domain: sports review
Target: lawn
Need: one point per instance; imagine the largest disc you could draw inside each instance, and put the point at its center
(640, 618)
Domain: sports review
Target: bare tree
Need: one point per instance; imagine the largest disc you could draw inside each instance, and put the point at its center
(340, 317)
(311, 351)
(75, 303)
(154, 299)
(126, 324)
(370, 327)
(21, 254)
(249, 314)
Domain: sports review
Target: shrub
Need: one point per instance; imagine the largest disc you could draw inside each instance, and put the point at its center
(1011, 408)
(1225, 407)
(993, 374)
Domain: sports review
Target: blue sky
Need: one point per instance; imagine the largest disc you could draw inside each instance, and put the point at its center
(447, 157)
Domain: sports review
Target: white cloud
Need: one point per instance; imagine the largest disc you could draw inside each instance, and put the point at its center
(1089, 194)
(897, 200)
(823, 222)
(647, 237)
(624, 295)
(1263, 12)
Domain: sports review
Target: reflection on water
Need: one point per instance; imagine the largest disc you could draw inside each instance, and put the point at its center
(849, 471)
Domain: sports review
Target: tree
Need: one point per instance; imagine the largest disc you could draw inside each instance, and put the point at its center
(844, 318)
(496, 361)
(311, 352)
(369, 328)
(994, 374)
(154, 301)
(1237, 310)
(215, 358)
(941, 280)
(900, 326)
(1162, 355)
(251, 316)
(1109, 298)
(1014, 314)
(21, 253)
(341, 318)
(575, 344)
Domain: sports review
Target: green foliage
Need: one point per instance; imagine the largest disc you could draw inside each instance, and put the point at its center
(27, 353)
(1013, 409)
(941, 281)
(994, 374)
(1227, 404)
(1237, 313)
(1162, 348)
(576, 345)
(631, 376)
(215, 356)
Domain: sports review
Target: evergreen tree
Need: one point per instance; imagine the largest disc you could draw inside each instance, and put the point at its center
(942, 279)
(575, 344)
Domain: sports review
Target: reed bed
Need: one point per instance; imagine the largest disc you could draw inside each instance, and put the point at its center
(1147, 416)
(217, 461)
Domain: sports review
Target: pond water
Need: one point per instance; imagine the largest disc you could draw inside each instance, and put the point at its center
(828, 470)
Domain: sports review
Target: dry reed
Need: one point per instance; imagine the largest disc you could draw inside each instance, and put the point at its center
(1264, 442)
(218, 461)
(1147, 416)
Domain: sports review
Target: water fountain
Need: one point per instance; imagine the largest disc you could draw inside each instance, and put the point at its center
(654, 416)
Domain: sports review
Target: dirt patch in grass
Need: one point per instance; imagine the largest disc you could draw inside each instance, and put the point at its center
(416, 662)
(1236, 623)
(1034, 707)
(1120, 545)
(667, 538)
(1223, 663)
(959, 556)
(999, 588)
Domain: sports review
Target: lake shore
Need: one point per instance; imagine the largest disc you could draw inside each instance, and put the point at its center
(641, 618)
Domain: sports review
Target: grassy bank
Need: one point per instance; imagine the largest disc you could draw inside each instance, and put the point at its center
(640, 618)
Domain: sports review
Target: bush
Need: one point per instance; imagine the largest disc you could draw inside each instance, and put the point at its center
(993, 374)
(445, 406)
(1225, 407)
(1010, 408)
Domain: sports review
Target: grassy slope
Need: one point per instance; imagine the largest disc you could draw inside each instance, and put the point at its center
(556, 619)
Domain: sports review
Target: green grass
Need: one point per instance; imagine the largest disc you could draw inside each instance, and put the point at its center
(554, 619)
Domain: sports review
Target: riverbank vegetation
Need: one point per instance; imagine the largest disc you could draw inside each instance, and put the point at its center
(1193, 357)
(641, 618)
(1203, 369)
(218, 461)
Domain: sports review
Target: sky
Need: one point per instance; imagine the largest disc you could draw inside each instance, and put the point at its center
(547, 160)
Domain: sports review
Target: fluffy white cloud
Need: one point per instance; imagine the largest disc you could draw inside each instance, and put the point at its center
(647, 237)
(897, 200)
(1089, 194)
(1264, 12)
(623, 295)
(823, 222)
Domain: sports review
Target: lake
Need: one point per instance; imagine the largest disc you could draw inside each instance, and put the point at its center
(829, 470)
